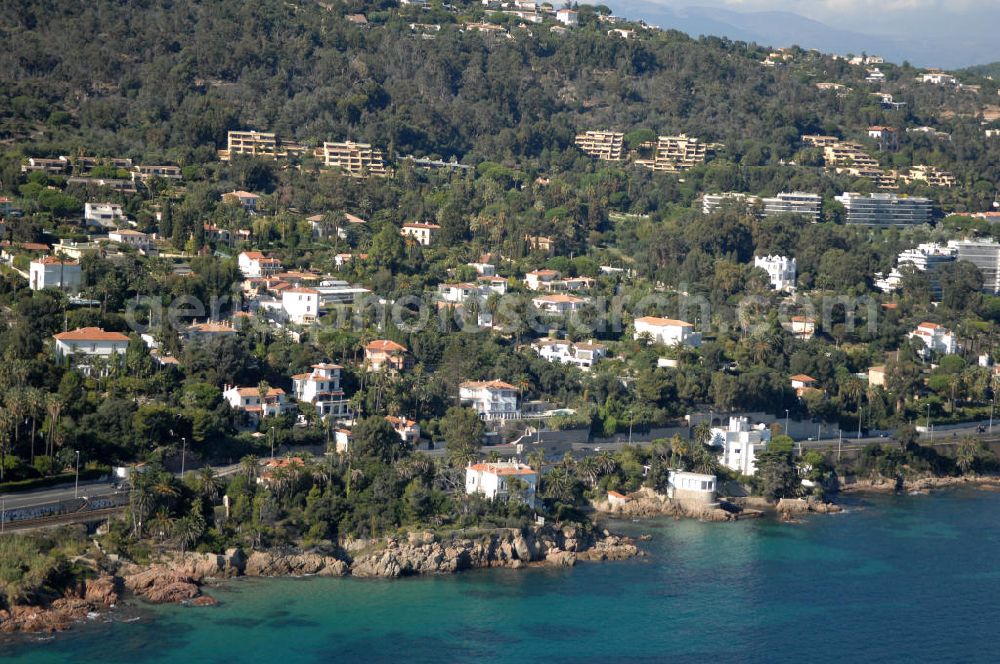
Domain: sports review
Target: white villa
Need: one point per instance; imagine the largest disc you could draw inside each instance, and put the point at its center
(256, 264)
(130, 238)
(423, 233)
(780, 270)
(492, 400)
(247, 399)
(104, 215)
(52, 272)
(301, 305)
(321, 387)
(408, 430)
(90, 341)
(580, 354)
(492, 480)
(740, 443)
(667, 331)
(936, 338)
(558, 303)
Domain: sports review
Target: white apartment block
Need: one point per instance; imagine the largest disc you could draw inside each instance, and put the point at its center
(885, 209)
(667, 331)
(492, 480)
(740, 443)
(927, 257)
(492, 400)
(52, 272)
(984, 254)
(301, 305)
(780, 271)
(797, 202)
(321, 387)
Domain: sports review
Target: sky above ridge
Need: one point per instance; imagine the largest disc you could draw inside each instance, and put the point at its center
(945, 33)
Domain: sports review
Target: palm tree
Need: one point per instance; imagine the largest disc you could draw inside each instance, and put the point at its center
(141, 500)
(966, 455)
(250, 467)
(6, 426)
(558, 484)
(589, 468)
(162, 523)
(209, 485)
(263, 389)
(35, 403)
(53, 406)
(606, 463)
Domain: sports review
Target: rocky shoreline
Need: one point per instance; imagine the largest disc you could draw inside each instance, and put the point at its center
(177, 577)
(920, 484)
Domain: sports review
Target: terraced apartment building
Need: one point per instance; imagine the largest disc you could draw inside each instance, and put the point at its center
(606, 145)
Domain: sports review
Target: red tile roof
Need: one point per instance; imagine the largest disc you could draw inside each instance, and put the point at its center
(90, 334)
(385, 346)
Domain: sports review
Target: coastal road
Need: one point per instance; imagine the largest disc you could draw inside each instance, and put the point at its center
(90, 489)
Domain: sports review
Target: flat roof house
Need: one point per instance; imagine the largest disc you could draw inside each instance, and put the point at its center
(667, 331)
(52, 272)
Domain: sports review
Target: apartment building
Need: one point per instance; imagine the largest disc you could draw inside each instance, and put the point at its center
(800, 203)
(44, 165)
(674, 154)
(984, 254)
(606, 145)
(252, 144)
(928, 258)
(885, 209)
(144, 173)
(355, 159)
(935, 177)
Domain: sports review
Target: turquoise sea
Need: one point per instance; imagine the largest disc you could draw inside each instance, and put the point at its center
(895, 579)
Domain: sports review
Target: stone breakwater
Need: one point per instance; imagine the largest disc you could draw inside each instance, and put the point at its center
(179, 577)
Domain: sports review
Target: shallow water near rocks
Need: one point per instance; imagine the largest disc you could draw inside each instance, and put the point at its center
(894, 579)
